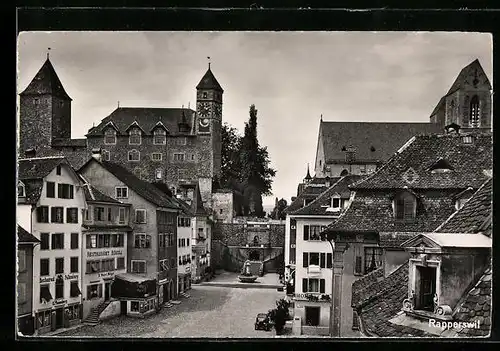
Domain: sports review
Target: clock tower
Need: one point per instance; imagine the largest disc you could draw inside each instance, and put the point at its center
(209, 124)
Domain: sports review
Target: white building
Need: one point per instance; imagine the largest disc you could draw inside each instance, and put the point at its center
(309, 259)
(184, 252)
(52, 209)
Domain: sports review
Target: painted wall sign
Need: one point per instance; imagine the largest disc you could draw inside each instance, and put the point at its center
(71, 276)
(106, 274)
(104, 253)
(47, 279)
(59, 301)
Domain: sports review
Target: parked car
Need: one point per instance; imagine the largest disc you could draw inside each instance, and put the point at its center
(262, 322)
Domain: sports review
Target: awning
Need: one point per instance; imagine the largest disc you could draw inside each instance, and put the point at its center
(75, 290)
(45, 293)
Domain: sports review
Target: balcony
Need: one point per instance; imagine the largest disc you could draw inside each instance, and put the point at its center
(314, 269)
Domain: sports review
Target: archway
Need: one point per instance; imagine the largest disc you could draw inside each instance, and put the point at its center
(344, 173)
(254, 255)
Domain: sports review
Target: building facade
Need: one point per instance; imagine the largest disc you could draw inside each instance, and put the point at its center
(54, 193)
(25, 244)
(152, 242)
(184, 251)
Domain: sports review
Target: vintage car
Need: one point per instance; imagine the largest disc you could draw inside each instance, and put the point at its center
(262, 322)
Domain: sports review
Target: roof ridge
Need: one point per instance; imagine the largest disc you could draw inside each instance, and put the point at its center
(40, 158)
(316, 199)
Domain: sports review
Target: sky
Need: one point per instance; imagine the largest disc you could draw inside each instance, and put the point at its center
(292, 78)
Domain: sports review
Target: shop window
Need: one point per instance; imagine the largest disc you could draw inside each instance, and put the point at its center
(134, 306)
(117, 240)
(74, 265)
(312, 316)
(94, 291)
(56, 214)
(373, 258)
(73, 312)
(74, 241)
(93, 267)
(58, 241)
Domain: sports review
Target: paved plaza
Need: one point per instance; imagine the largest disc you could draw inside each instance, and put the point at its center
(211, 311)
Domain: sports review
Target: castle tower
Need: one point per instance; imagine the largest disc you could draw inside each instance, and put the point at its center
(208, 128)
(45, 111)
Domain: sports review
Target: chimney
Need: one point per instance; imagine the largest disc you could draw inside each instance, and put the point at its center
(96, 153)
(29, 153)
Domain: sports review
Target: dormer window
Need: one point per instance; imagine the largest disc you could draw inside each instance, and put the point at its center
(110, 136)
(307, 202)
(134, 136)
(335, 202)
(441, 166)
(21, 190)
(405, 206)
(159, 136)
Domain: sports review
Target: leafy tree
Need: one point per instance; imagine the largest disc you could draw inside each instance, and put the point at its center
(280, 315)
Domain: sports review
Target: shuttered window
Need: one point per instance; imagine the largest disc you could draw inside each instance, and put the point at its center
(305, 259)
(322, 286)
(304, 285)
(358, 265)
(306, 233)
(328, 260)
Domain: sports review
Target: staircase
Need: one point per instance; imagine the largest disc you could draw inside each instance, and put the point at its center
(93, 317)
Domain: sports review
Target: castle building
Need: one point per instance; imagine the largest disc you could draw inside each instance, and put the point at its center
(362, 147)
(177, 146)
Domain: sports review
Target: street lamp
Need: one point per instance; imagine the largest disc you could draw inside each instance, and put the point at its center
(328, 236)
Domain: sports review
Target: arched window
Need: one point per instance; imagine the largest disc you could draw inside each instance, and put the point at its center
(405, 206)
(159, 136)
(344, 173)
(21, 190)
(134, 136)
(134, 155)
(110, 136)
(474, 112)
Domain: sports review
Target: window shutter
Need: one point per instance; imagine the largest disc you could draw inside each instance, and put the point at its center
(95, 213)
(53, 214)
(322, 286)
(328, 260)
(60, 191)
(304, 285)
(408, 209)
(322, 260)
(39, 214)
(71, 191)
(357, 266)
(305, 259)
(306, 232)
(399, 208)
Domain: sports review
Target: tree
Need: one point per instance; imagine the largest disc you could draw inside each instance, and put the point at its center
(280, 315)
(279, 208)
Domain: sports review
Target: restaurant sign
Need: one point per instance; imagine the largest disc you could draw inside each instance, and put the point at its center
(104, 253)
(53, 279)
(106, 274)
(59, 301)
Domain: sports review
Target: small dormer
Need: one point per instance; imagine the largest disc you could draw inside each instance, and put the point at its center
(405, 206)
(134, 133)
(441, 166)
(335, 203)
(110, 131)
(21, 189)
(160, 132)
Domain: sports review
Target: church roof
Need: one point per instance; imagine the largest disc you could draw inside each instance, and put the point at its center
(46, 81)
(146, 117)
(373, 142)
(209, 82)
(464, 73)
(410, 166)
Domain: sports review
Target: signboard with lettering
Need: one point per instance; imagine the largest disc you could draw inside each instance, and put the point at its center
(59, 301)
(104, 253)
(106, 274)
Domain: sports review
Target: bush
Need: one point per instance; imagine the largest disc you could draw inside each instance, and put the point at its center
(280, 315)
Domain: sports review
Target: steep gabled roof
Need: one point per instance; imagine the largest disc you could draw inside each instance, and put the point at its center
(145, 117)
(25, 237)
(92, 194)
(468, 161)
(197, 205)
(144, 189)
(46, 81)
(464, 73)
(209, 82)
(319, 205)
(310, 192)
(38, 167)
(474, 214)
(384, 138)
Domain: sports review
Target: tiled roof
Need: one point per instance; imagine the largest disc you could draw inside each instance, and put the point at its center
(146, 117)
(92, 194)
(69, 142)
(373, 212)
(197, 205)
(477, 307)
(384, 138)
(33, 190)
(23, 236)
(309, 193)
(410, 167)
(466, 71)
(385, 302)
(394, 239)
(146, 190)
(317, 207)
(474, 213)
(439, 106)
(361, 291)
(209, 82)
(37, 168)
(46, 81)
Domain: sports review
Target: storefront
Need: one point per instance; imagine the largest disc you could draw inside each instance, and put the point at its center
(314, 312)
(137, 294)
(57, 317)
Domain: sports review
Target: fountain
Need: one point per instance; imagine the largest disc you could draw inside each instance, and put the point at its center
(246, 276)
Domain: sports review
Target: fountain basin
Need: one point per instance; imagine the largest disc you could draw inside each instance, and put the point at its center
(247, 279)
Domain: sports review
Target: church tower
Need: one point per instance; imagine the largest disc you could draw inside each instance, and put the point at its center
(209, 128)
(45, 111)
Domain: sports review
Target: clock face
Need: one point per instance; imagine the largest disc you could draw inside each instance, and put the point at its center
(204, 109)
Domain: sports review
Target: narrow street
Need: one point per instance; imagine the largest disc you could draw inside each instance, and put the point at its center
(210, 312)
